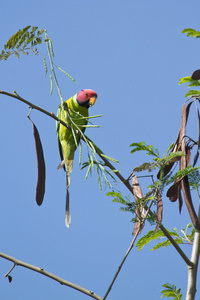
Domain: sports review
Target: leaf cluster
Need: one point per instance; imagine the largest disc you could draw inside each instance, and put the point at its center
(160, 163)
(191, 32)
(171, 291)
(194, 79)
(194, 180)
(191, 83)
(23, 41)
(185, 238)
(104, 174)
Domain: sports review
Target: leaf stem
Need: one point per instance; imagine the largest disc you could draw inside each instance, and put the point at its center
(52, 68)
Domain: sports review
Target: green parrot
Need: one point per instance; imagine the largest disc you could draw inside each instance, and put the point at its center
(77, 106)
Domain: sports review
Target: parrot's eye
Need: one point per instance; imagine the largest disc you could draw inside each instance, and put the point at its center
(86, 94)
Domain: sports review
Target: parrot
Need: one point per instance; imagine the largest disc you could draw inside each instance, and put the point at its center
(77, 107)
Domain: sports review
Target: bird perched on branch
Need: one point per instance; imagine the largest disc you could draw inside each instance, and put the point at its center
(74, 113)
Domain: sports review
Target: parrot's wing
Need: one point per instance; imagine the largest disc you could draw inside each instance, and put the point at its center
(83, 130)
(62, 163)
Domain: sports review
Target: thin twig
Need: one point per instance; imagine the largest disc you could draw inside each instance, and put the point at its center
(51, 63)
(50, 275)
(10, 270)
(127, 253)
(192, 271)
(31, 105)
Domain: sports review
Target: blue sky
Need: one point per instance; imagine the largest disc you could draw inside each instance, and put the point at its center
(132, 53)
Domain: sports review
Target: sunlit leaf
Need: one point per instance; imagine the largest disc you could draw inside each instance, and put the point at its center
(171, 291)
(191, 32)
(194, 93)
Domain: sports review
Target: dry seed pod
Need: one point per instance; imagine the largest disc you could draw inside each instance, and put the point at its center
(40, 189)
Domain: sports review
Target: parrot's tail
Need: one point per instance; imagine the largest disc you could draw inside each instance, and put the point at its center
(67, 210)
(68, 167)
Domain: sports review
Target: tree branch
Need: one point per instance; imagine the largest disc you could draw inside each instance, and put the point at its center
(50, 275)
(16, 96)
(127, 253)
(192, 270)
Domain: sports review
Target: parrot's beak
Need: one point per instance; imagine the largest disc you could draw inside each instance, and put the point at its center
(92, 101)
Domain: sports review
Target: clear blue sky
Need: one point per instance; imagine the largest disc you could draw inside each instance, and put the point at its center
(132, 53)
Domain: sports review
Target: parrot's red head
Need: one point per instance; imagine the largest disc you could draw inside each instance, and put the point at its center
(86, 98)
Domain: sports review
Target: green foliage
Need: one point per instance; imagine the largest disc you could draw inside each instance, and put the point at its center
(165, 174)
(188, 79)
(104, 174)
(65, 73)
(194, 180)
(147, 166)
(185, 238)
(150, 236)
(23, 41)
(193, 93)
(53, 77)
(191, 83)
(191, 32)
(119, 198)
(181, 173)
(131, 206)
(161, 163)
(171, 291)
(142, 146)
(151, 151)
(188, 237)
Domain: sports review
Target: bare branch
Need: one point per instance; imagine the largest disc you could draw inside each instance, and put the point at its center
(128, 251)
(50, 275)
(6, 275)
(192, 270)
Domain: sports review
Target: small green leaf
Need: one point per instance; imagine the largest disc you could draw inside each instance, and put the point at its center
(51, 80)
(194, 93)
(196, 83)
(191, 32)
(34, 28)
(51, 47)
(99, 178)
(118, 198)
(167, 243)
(186, 79)
(174, 154)
(170, 148)
(65, 73)
(142, 146)
(110, 158)
(45, 66)
(88, 170)
(80, 153)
